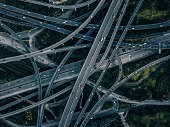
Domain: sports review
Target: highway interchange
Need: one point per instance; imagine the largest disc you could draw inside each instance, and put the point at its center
(76, 75)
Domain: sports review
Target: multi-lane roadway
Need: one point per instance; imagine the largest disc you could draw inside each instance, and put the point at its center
(104, 41)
